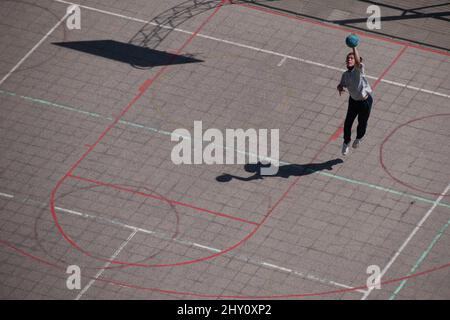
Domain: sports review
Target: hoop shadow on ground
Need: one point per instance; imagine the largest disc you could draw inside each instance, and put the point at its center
(127, 53)
(155, 31)
(285, 171)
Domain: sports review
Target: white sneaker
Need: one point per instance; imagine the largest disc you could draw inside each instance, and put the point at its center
(344, 149)
(356, 143)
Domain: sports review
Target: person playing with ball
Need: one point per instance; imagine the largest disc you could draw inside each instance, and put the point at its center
(360, 99)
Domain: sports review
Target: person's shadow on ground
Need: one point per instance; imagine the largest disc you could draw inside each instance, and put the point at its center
(285, 171)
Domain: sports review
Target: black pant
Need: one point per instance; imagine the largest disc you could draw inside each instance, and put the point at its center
(360, 109)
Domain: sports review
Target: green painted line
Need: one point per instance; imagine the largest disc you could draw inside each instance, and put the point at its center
(12, 94)
(421, 259)
(45, 102)
(154, 130)
(373, 186)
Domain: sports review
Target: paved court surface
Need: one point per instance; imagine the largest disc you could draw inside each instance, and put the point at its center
(86, 176)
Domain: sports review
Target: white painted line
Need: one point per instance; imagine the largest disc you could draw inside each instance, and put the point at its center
(85, 215)
(161, 235)
(308, 276)
(281, 62)
(114, 256)
(33, 49)
(9, 196)
(311, 277)
(237, 44)
(298, 273)
(405, 243)
(70, 211)
(103, 11)
(276, 267)
(205, 247)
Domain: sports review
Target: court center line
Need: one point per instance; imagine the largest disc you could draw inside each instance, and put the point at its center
(241, 45)
(408, 239)
(161, 235)
(100, 272)
(33, 49)
(162, 132)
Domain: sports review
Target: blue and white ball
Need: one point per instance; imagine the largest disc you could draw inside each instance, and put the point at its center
(352, 41)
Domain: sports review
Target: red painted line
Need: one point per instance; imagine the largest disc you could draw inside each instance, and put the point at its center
(388, 172)
(174, 202)
(389, 67)
(29, 255)
(331, 26)
(337, 134)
